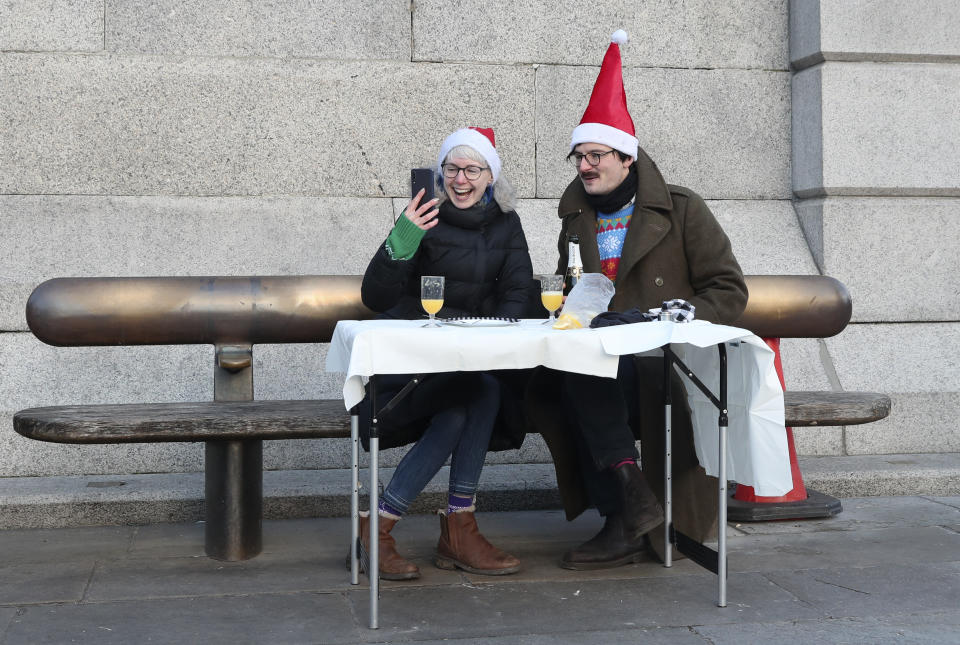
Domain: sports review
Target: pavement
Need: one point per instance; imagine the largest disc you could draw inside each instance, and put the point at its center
(886, 570)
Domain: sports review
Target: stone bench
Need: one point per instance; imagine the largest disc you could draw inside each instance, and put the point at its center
(234, 314)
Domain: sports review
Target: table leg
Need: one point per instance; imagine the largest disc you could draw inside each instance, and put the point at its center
(722, 522)
(668, 463)
(722, 483)
(373, 571)
(715, 561)
(354, 497)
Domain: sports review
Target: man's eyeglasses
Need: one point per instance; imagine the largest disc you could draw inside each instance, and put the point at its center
(593, 158)
(450, 171)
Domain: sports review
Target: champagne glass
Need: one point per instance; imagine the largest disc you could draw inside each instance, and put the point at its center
(431, 296)
(551, 294)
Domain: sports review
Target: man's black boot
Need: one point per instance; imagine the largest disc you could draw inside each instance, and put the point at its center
(641, 511)
(607, 549)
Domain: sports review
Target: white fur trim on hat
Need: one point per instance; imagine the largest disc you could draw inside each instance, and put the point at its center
(477, 141)
(607, 135)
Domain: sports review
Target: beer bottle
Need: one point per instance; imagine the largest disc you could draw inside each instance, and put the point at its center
(574, 265)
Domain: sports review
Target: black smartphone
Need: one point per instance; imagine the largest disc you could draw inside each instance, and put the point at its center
(422, 178)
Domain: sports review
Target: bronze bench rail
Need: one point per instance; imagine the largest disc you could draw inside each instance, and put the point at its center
(86, 312)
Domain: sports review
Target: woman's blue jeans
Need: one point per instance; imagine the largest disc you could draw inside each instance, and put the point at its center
(460, 431)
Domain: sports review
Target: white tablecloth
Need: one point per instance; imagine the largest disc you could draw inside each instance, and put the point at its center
(757, 446)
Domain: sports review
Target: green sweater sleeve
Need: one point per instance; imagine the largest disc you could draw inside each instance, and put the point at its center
(404, 239)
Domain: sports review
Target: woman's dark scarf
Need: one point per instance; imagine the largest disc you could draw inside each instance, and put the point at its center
(618, 197)
(475, 217)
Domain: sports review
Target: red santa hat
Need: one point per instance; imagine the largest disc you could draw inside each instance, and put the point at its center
(606, 119)
(480, 139)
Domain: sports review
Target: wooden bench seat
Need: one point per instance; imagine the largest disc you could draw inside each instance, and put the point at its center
(319, 419)
(834, 408)
(162, 422)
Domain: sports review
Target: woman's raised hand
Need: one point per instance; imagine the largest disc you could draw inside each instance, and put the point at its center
(421, 215)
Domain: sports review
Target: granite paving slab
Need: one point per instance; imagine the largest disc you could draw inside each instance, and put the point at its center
(866, 512)
(875, 591)
(917, 629)
(137, 578)
(647, 636)
(42, 582)
(541, 564)
(586, 605)
(949, 501)
(864, 547)
(281, 538)
(263, 618)
(168, 540)
(6, 616)
(58, 545)
(888, 571)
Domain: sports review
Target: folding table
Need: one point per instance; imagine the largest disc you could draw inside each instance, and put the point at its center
(747, 406)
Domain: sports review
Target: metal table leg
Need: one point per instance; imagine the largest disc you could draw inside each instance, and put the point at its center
(354, 497)
(722, 423)
(374, 573)
(668, 463)
(373, 570)
(706, 557)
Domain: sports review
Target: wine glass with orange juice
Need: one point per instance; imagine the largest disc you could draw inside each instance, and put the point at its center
(431, 296)
(551, 294)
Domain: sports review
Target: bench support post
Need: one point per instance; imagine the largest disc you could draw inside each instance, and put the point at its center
(234, 495)
(234, 469)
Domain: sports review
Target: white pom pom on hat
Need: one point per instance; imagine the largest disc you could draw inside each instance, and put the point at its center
(606, 119)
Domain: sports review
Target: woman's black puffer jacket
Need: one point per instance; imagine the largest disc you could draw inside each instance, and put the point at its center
(482, 253)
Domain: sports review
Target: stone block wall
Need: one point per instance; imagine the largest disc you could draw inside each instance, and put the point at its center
(236, 138)
(876, 174)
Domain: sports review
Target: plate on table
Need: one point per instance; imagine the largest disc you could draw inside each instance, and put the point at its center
(480, 321)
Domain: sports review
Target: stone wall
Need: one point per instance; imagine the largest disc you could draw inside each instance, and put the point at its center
(876, 173)
(235, 138)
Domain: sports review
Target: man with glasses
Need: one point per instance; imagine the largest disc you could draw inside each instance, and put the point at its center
(656, 242)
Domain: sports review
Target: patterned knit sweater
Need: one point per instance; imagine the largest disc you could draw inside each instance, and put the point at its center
(611, 232)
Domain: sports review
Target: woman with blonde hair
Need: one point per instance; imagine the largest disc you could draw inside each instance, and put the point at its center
(470, 235)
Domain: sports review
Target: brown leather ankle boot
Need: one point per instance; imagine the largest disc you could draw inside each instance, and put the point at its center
(392, 565)
(462, 547)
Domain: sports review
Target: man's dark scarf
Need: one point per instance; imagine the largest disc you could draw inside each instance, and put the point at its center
(618, 197)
